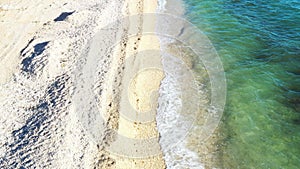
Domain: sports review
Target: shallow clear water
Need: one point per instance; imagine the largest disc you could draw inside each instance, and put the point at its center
(259, 44)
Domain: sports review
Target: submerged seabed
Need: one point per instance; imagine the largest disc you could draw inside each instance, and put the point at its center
(184, 92)
(259, 44)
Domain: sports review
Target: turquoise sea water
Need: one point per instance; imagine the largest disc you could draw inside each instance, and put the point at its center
(259, 45)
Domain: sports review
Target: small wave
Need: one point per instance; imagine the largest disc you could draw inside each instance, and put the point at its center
(172, 125)
(162, 5)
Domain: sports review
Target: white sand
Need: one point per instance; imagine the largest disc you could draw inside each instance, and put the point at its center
(137, 86)
(19, 22)
(46, 79)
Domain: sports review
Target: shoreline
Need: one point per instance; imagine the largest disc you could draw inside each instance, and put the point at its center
(198, 154)
(60, 76)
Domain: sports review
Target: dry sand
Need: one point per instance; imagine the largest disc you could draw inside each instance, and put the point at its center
(47, 77)
(132, 96)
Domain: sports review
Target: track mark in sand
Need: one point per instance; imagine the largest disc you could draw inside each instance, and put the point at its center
(29, 61)
(101, 112)
(130, 133)
(63, 16)
(41, 129)
(141, 94)
(34, 137)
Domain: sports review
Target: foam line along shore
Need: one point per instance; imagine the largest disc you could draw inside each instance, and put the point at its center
(172, 113)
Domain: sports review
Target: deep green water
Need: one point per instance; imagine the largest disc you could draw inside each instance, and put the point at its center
(259, 45)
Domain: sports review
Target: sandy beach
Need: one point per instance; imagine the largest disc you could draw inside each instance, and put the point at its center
(100, 85)
(49, 59)
(149, 84)
(137, 85)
